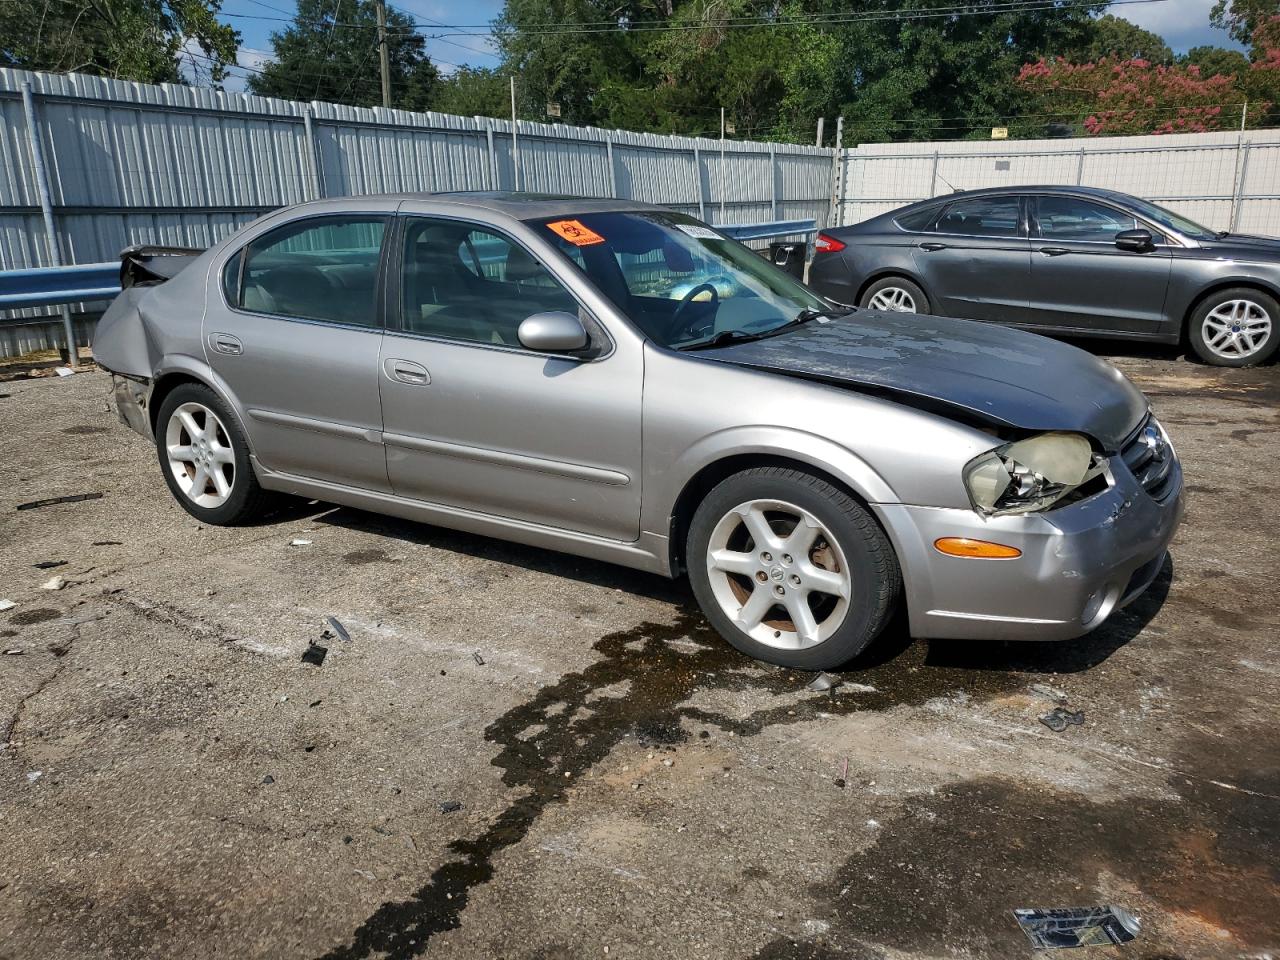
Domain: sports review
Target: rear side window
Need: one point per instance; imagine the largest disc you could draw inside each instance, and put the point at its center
(917, 220)
(983, 217)
(321, 268)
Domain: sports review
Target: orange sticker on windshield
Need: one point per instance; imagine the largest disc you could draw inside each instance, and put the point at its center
(576, 233)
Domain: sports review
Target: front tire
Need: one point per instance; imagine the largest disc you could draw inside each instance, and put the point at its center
(205, 457)
(791, 569)
(1236, 327)
(894, 295)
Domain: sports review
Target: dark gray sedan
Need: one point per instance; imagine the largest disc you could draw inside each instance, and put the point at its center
(1063, 260)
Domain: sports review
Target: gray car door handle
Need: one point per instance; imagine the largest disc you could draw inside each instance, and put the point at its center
(226, 343)
(1054, 251)
(933, 245)
(406, 371)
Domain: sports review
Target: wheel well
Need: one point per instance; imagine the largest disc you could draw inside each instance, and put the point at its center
(701, 483)
(887, 274)
(163, 387)
(1218, 288)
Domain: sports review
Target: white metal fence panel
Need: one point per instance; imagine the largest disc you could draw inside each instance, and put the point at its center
(1223, 180)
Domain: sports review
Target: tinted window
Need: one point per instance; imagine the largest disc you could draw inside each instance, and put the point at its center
(1069, 218)
(323, 268)
(982, 217)
(917, 219)
(467, 283)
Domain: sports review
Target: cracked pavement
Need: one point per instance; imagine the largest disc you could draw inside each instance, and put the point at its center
(175, 781)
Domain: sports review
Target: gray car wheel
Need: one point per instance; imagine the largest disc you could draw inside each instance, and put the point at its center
(205, 457)
(895, 295)
(1237, 327)
(791, 569)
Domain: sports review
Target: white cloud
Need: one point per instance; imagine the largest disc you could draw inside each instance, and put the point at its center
(1182, 23)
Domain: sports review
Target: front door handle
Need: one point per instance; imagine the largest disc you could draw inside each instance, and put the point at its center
(933, 245)
(406, 371)
(226, 343)
(1054, 251)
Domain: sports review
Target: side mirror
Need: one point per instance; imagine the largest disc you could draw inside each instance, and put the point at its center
(1136, 241)
(552, 332)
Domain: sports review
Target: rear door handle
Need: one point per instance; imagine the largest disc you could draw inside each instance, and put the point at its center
(933, 245)
(1054, 251)
(406, 371)
(226, 343)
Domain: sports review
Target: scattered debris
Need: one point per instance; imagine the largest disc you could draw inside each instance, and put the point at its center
(335, 629)
(50, 501)
(34, 775)
(450, 806)
(49, 564)
(54, 583)
(1058, 718)
(1077, 926)
(860, 688)
(299, 543)
(478, 659)
(844, 774)
(13, 652)
(268, 779)
(823, 682)
(315, 703)
(1052, 693)
(6, 605)
(108, 543)
(314, 654)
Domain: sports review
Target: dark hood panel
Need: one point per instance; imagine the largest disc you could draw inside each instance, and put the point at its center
(995, 375)
(1245, 247)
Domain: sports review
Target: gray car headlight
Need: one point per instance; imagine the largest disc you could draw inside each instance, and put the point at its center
(1029, 475)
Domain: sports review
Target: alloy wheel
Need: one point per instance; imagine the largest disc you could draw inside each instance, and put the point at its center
(893, 299)
(1236, 328)
(778, 574)
(200, 455)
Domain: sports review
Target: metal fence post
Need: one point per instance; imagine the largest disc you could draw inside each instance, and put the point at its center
(836, 209)
(933, 175)
(613, 171)
(46, 209)
(697, 176)
(1080, 167)
(313, 152)
(1238, 194)
(773, 178)
(493, 158)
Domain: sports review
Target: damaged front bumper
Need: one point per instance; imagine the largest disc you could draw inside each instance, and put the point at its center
(1079, 563)
(132, 403)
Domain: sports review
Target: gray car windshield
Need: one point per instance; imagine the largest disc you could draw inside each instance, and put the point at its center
(682, 283)
(1172, 221)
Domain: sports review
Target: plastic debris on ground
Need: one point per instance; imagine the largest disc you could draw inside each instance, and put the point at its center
(13, 652)
(299, 543)
(1059, 718)
(478, 659)
(335, 629)
(50, 501)
(823, 682)
(6, 605)
(54, 583)
(63, 371)
(1049, 928)
(1051, 693)
(314, 654)
(49, 564)
(450, 806)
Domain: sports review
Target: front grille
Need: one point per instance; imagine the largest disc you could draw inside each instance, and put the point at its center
(1149, 458)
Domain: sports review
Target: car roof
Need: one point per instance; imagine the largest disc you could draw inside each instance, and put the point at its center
(519, 206)
(1044, 188)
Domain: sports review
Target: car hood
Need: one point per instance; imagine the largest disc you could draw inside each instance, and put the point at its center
(976, 371)
(1243, 245)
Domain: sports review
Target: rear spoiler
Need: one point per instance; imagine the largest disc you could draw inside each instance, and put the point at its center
(148, 264)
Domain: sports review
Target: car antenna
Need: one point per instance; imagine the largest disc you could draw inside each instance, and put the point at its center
(944, 180)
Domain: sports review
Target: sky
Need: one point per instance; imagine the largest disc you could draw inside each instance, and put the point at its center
(1182, 23)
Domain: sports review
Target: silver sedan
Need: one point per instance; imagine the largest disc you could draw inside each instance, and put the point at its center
(622, 382)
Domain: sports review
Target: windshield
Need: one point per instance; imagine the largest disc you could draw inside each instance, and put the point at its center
(681, 282)
(1172, 221)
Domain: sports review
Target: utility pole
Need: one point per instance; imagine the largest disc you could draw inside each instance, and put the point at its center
(515, 142)
(382, 53)
(724, 178)
(818, 142)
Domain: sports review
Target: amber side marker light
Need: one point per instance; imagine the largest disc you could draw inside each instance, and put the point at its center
(982, 549)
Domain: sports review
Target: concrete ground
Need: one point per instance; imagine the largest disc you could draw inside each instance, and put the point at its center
(611, 779)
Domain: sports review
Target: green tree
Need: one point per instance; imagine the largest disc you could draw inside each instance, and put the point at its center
(473, 92)
(329, 52)
(1115, 37)
(1240, 18)
(1215, 61)
(152, 41)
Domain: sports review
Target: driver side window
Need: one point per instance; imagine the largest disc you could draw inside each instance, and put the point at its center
(464, 282)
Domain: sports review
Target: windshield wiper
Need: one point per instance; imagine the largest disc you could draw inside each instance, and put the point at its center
(724, 338)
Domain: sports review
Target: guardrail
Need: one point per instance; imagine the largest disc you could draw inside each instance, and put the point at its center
(761, 231)
(45, 286)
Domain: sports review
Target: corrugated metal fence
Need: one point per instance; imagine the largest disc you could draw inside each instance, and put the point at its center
(135, 163)
(1226, 181)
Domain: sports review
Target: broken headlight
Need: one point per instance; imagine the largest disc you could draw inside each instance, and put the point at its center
(1031, 474)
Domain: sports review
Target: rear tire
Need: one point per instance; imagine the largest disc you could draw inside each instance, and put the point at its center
(894, 295)
(204, 457)
(791, 569)
(1236, 327)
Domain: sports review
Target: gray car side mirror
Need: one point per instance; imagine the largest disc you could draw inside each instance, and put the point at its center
(1137, 241)
(552, 332)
